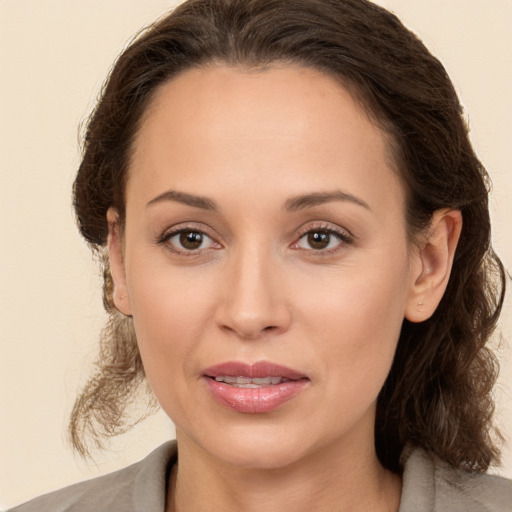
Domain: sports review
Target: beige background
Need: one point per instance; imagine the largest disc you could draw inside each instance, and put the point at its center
(54, 55)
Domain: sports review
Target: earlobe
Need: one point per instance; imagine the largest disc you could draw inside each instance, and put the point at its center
(434, 264)
(116, 260)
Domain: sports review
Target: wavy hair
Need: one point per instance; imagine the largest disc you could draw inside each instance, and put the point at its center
(438, 393)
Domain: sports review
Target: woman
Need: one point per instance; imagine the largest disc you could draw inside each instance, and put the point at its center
(295, 237)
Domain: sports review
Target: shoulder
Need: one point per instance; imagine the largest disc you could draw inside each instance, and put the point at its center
(430, 485)
(139, 487)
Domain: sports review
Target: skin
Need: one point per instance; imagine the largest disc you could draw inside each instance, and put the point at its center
(256, 288)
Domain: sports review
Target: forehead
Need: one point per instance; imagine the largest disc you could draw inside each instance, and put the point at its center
(221, 124)
(282, 93)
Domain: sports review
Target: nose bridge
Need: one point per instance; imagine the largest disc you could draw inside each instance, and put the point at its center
(253, 299)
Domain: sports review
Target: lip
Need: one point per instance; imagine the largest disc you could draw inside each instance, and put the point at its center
(254, 400)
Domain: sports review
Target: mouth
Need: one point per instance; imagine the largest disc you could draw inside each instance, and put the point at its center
(261, 387)
(251, 383)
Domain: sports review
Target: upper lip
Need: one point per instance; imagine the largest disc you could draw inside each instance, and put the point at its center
(259, 369)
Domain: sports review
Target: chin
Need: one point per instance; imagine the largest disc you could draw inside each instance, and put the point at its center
(267, 446)
(261, 454)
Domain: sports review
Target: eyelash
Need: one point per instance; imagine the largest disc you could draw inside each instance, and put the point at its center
(165, 238)
(344, 238)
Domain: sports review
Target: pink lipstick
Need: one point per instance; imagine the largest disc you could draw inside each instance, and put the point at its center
(253, 388)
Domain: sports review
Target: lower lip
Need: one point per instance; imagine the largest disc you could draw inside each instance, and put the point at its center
(255, 400)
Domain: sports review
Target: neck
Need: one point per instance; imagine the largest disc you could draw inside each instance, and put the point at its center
(334, 480)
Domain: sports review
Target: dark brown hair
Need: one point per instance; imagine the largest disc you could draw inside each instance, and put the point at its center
(438, 393)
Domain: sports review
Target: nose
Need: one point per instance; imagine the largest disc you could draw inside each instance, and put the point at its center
(253, 300)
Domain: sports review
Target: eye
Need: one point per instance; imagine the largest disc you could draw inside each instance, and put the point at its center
(318, 240)
(188, 241)
(322, 239)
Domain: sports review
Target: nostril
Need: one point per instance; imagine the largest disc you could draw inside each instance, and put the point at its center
(249, 318)
(251, 333)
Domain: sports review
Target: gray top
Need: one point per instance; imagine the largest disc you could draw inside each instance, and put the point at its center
(428, 486)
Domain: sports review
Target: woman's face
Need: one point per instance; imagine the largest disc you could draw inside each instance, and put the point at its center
(265, 238)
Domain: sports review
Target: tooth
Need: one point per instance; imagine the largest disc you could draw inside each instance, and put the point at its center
(228, 380)
(248, 382)
(262, 380)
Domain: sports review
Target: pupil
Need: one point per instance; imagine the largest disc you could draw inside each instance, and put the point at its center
(191, 239)
(318, 240)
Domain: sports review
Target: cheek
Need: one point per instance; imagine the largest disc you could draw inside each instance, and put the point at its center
(171, 311)
(163, 295)
(356, 323)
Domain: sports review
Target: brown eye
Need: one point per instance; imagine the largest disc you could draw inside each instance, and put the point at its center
(318, 240)
(188, 241)
(323, 240)
(191, 240)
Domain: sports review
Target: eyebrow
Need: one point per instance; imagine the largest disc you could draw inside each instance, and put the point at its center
(317, 198)
(292, 205)
(188, 199)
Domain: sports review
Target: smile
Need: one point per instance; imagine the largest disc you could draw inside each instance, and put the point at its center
(248, 382)
(258, 388)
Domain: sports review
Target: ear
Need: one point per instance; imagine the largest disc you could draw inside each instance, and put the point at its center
(116, 260)
(434, 264)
